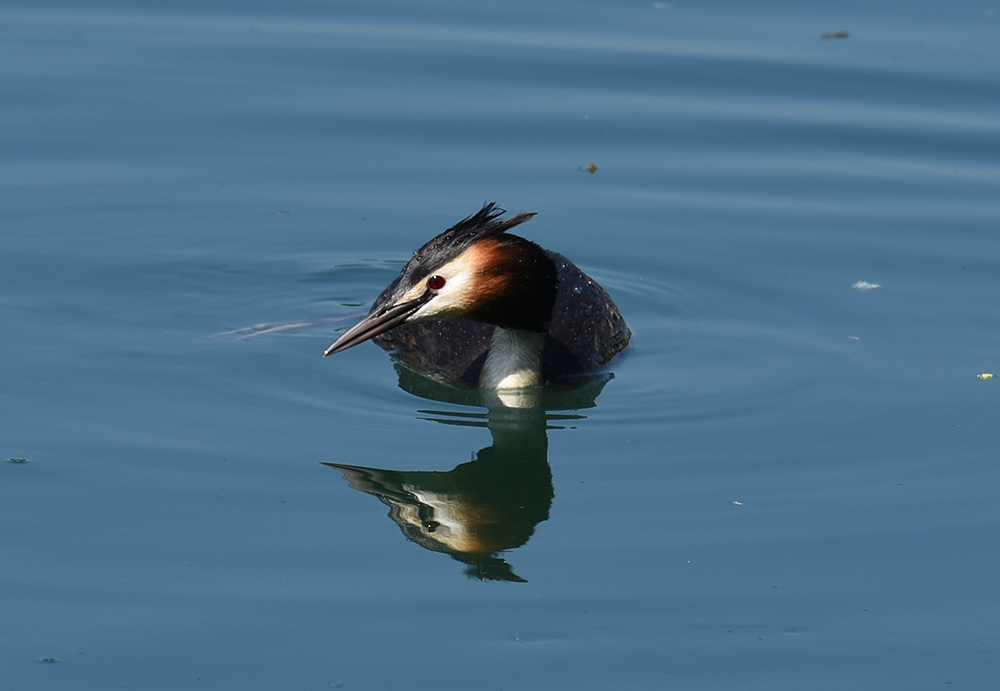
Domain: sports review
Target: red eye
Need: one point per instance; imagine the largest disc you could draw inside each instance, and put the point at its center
(436, 282)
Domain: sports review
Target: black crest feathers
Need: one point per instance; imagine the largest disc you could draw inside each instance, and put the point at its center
(485, 223)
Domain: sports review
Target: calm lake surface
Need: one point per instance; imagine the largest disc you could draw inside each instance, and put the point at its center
(790, 482)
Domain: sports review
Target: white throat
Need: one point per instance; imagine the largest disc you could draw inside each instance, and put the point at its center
(514, 360)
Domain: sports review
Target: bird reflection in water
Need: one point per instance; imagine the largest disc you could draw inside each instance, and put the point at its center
(490, 505)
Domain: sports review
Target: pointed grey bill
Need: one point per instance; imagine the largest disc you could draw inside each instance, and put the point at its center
(377, 323)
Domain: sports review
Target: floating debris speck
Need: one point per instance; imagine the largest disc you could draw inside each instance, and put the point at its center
(834, 34)
(984, 375)
(589, 169)
(865, 285)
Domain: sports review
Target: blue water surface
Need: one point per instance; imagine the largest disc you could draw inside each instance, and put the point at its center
(789, 482)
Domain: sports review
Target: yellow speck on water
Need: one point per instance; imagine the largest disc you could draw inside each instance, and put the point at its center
(985, 375)
(590, 169)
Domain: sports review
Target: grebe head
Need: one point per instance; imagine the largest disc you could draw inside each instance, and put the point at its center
(474, 270)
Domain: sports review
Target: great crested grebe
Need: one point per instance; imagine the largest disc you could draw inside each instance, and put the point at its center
(481, 307)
